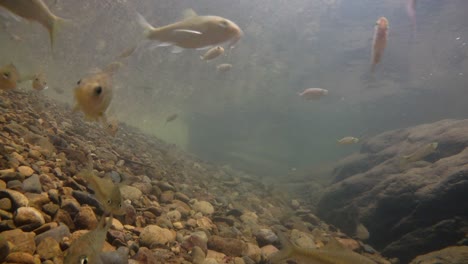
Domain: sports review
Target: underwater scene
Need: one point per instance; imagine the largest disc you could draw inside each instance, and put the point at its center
(234, 132)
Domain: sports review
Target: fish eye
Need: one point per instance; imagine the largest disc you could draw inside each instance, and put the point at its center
(224, 24)
(78, 82)
(98, 90)
(6, 75)
(84, 260)
(109, 201)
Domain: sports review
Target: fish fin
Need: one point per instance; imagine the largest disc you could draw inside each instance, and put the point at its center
(285, 253)
(57, 23)
(205, 48)
(176, 50)
(187, 31)
(188, 13)
(113, 67)
(334, 244)
(144, 24)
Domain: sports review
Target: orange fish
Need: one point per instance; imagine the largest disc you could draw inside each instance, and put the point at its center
(380, 40)
(9, 76)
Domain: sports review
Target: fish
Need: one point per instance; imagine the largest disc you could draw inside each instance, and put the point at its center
(107, 193)
(348, 140)
(88, 247)
(313, 93)
(334, 252)
(193, 31)
(93, 94)
(127, 52)
(212, 53)
(171, 118)
(420, 154)
(35, 10)
(9, 77)
(39, 82)
(224, 67)
(379, 41)
(411, 12)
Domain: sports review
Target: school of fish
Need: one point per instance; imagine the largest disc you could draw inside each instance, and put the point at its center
(93, 95)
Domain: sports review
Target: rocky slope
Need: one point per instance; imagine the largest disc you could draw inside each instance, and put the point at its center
(179, 208)
(409, 209)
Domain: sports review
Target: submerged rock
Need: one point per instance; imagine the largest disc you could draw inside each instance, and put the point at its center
(450, 255)
(398, 202)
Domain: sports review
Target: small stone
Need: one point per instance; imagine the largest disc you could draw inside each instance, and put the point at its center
(2, 185)
(5, 204)
(117, 225)
(295, 204)
(198, 256)
(48, 248)
(210, 261)
(174, 215)
(265, 236)
(253, 251)
(167, 197)
(4, 249)
(130, 193)
(182, 197)
(229, 246)
(17, 199)
(302, 239)
(203, 207)
(64, 217)
(20, 258)
(25, 171)
(268, 250)
(218, 256)
(86, 219)
(15, 185)
(32, 184)
(20, 241)
(50, 209)
(28, 217)
(178, 225)
(35, 154)
(153, 235)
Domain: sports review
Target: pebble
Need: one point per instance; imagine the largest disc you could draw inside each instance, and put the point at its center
(5, 204)
(302, 239)
(229, 246)
(174, 215)
(265, 236)
(268, 250)
(198, 256)
(48, 248)
(253, 252)
(117, 225)
(28, 217)
(153, 235)
(4, 249)
(20, 241)
(32, 184)
(130, 193)
(85, 219)
(25, 171)
(21, 258)
(203, 207)
(167, 196)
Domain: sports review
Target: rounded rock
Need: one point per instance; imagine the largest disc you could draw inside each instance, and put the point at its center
(203, 207)
(25, 171)
(153, 235)
(29, 216)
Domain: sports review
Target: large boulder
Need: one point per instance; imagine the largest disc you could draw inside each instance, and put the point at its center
(402, 204)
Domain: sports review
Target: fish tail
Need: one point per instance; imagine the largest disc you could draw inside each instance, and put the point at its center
(144, 24)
